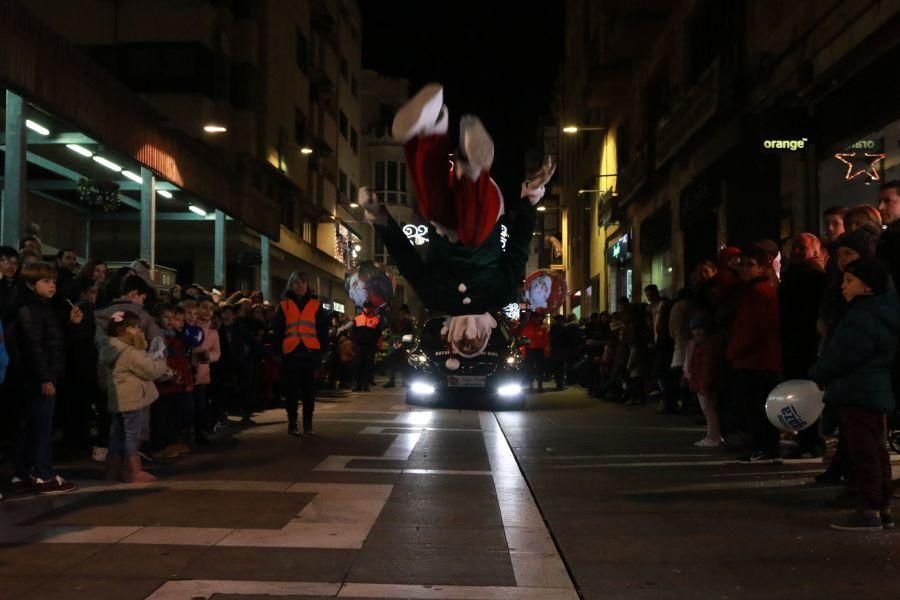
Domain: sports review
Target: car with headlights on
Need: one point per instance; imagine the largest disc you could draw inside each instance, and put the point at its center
(498, 374)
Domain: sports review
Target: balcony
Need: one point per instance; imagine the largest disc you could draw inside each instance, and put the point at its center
(633, 175)
(694, 110)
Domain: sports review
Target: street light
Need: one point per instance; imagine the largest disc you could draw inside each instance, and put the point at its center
(573, 129)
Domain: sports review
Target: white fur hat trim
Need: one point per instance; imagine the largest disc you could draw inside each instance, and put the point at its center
(462, 288)
(452, 364)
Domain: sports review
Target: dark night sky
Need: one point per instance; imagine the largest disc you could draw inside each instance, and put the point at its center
(498, 60)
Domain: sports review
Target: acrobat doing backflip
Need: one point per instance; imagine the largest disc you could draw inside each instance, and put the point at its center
(465, 273)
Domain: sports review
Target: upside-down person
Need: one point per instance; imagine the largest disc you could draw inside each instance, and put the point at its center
(466, 273)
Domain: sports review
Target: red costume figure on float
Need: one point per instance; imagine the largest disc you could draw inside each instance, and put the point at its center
(447, 196)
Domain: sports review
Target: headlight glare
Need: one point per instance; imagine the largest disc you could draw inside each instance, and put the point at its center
(421, 388)
(509, 390)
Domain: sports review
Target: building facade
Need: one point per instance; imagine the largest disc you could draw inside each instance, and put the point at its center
(750, 119)
(272, 84)
(385, 172)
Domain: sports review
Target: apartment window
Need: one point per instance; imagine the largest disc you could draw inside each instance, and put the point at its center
(379, 175)
(354, 86)
(345, 69)
(403, 197)
(354, 140)
(287, 211)
(344, 125)
(353, 191)
(299, 127)
(302, 51)
(342, 182)
(392, 182)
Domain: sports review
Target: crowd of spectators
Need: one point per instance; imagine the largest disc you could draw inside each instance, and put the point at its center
(108, 364)
(747, 323)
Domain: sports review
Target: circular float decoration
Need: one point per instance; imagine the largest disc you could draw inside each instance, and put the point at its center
(370, 281)
(545, 291)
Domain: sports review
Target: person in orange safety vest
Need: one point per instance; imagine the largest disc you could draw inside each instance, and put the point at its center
(300, 332)
(366, 332)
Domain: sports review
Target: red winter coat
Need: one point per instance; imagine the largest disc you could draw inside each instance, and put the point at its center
(703, 365)
(755, 342)
(537, 333)
(177, 360)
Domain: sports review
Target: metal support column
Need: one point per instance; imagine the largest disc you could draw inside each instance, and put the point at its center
(148, 217)
(14, 182)
(219, 251)
(265, 281)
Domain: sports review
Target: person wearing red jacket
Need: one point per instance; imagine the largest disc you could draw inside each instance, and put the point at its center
(536, 350)
(754, 351)
(175, 393)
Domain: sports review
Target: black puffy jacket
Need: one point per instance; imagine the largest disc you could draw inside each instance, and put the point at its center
(39, 336)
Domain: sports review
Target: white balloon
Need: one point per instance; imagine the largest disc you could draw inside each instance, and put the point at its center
(794, 405)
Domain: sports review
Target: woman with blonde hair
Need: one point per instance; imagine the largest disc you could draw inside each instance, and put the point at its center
(863, 216)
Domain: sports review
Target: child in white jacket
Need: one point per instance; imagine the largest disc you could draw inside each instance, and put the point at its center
(131, 390)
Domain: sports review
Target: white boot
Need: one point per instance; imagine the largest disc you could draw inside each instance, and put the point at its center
(421, 114)
(477, 146)
(375, 212)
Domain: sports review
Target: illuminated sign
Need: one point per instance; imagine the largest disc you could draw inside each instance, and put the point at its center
(791, 145)
(339, 307)
(618, 251)
(416, 234)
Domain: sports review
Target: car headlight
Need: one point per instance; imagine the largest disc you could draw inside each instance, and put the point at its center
(421, 388)
(509, 390)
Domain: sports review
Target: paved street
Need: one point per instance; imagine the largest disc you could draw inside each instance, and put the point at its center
(388, 502)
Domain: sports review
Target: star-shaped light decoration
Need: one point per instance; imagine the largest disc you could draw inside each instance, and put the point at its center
(870, 169)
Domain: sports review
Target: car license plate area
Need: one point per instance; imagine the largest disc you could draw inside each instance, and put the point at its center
(470, 381)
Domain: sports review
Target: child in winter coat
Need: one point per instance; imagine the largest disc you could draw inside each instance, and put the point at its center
(41, 346)
(702, 370)
(855, 370)
(199, 314)
(130, 390)
(175, 393)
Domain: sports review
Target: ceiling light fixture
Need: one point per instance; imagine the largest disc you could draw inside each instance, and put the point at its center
(196, 210)
(79, 150)
(36, 127)
(212, 128)
(133, 177)
(166, 194)
(107, 163)
(306, 150)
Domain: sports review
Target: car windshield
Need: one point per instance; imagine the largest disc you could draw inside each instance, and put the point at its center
(431, 338)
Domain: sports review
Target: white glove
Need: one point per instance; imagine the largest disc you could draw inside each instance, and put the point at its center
(533, 187)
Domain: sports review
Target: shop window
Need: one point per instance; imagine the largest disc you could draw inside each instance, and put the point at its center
(344, 125)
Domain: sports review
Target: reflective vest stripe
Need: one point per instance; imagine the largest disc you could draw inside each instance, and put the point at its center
(300, 327)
